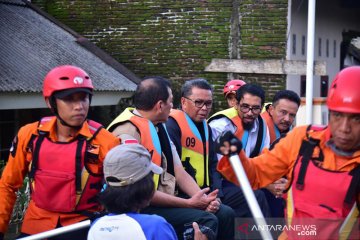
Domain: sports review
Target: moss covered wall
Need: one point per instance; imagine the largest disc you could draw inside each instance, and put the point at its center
(177, 39)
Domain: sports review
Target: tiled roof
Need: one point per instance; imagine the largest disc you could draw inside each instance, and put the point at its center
(32, 43)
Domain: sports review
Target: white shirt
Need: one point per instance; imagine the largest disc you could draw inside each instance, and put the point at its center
(131, 226)
(220, 125)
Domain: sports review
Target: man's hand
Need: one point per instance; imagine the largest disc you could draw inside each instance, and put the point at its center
(201, 200)
(213, 206)
(277, 187)
(198, 235)
(227, 143)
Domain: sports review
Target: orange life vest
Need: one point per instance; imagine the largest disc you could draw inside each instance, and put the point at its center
(194, 152)
(149, 136)
(61, 175)
(321, 199)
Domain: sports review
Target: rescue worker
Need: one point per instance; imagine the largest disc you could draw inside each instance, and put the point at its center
(63, 156)
(279, 117)
(323, 163)
(193, 141)
(153, 101)
(245, 122)
(230, 89)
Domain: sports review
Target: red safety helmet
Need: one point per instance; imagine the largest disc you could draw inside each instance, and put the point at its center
(232, 86)
(66, 77)
(344, 93)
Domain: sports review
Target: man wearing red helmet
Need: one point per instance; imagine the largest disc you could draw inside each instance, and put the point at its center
(230, 91)
(63, 157)
(323, 162)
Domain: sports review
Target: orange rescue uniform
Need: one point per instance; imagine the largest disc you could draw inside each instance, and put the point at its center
(272, 165)
(36, 219)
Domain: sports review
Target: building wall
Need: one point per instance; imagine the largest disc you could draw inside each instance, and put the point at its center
(178, 39)
(331, 21)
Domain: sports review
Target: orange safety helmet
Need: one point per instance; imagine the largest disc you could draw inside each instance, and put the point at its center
(232, 86)
(66, 77)
(344, 93)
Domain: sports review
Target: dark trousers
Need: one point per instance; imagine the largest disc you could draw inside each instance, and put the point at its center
(234, 198)
(222, 223)
(277, 205)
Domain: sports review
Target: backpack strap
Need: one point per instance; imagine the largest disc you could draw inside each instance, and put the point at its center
(306, 151)
(94, 128)
(35, 160)
(354, 187)
(78, 156)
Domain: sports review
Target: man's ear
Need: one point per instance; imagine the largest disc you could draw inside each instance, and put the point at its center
(159, 106)
(271, 109)
(182, 101)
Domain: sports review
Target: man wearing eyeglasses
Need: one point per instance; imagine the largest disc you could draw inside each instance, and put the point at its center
(153, 100)
(192, 137)
(279, 117)
(245, 122)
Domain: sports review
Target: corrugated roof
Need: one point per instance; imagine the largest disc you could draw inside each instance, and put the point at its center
(32, 43)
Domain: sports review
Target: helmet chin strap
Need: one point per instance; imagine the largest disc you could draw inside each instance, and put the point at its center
(55, 112)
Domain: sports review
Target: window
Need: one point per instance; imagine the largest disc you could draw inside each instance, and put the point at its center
(324, 85)
(302, 86)
(327, 48)
(319, 45)
(334, 53)
(294, 44)
(303, 42)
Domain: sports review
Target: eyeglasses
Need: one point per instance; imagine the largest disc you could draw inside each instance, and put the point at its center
(200, 103)
(246, 108)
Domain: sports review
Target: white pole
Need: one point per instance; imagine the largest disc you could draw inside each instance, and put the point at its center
(249, 196)
(58, 231)
(310, 61)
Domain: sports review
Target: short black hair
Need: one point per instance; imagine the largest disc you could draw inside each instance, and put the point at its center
(151, 90)
(128, 198)
(253, 89)
(286, 94)
(201, 83)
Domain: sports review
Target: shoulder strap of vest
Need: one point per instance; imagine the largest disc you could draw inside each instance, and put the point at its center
(306, 151)
(94, 128)
(354, 187)
(35, 160)
(259, 139)
(166, 148)
(35, 151)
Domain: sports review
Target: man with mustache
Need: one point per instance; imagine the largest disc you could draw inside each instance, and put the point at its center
(245, 122)
(279, 117)
(323, 163)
